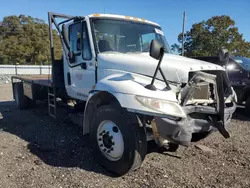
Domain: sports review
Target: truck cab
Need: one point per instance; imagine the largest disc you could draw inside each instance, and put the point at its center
(98, 40)
(132, 89)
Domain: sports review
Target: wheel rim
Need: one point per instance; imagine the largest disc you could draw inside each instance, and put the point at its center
(110, 140)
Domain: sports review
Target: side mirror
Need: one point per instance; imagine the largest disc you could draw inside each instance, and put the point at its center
(65, 36)
(223, 54)
(157, 52)
(156, 49)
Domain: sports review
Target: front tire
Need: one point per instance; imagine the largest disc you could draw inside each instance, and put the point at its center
(118, 141)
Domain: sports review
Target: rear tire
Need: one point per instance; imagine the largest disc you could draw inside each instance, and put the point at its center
(125, 132)
(247, 106)
(21, 100)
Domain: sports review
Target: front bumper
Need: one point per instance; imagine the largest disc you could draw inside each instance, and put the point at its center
(199, 120)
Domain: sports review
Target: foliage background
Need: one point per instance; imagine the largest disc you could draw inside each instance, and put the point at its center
(207, 37)
(25, 40)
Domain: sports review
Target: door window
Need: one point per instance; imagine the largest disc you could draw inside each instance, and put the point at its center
(75, 38)
(79, 43)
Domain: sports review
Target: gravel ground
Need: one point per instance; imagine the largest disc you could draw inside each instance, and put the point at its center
(37, 151)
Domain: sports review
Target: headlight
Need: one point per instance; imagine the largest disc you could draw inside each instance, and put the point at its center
(166, 107)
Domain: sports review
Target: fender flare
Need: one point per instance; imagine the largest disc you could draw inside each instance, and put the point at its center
(98, 98)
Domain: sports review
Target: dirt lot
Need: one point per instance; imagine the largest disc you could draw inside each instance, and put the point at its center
(37, 151)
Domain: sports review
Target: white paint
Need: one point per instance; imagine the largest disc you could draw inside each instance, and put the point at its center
(134, 84)
(176, 68)
(25, 69)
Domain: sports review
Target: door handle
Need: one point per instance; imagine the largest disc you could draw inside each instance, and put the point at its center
(83, 65)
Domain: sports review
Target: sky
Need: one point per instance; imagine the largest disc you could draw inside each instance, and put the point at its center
(167, 13)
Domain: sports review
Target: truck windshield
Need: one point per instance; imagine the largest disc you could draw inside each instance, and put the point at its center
(126, 36)
(243, 62)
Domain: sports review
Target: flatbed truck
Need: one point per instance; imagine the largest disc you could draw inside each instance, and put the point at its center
(120, 72)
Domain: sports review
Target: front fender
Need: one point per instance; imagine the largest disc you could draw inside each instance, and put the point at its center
(123, 88)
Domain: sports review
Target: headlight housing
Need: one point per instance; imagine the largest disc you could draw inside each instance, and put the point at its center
(163, 106)
(232, 97)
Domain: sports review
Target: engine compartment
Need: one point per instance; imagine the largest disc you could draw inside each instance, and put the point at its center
(205, 101)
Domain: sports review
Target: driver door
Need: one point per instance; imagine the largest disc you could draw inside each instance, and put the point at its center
(82, 71)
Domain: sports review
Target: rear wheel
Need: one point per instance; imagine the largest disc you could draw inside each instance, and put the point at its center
(247, 106)
(119, 143)
(21, 100)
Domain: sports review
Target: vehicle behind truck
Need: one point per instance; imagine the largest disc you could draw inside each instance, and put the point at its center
(122, 76)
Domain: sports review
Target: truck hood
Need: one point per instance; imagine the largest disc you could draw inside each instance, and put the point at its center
(176, 68)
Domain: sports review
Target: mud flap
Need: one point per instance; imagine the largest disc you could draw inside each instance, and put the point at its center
(220, 124)
(221, 128)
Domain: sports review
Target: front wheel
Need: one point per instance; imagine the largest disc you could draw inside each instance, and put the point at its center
(118, 141)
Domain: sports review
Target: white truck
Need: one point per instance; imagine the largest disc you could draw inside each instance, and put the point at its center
(121, 74)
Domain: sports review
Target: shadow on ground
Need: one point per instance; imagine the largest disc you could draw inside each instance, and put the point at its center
(56, 143)
(240, 114)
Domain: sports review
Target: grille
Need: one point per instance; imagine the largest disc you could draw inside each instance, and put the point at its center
(202, 91)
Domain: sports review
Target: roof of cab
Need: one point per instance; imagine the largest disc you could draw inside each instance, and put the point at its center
(122, 17)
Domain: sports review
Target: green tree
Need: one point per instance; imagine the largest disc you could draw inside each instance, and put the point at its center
(176, 48)
(25, 40)
(207, 37)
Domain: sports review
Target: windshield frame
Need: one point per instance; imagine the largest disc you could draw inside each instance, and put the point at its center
(91, 19)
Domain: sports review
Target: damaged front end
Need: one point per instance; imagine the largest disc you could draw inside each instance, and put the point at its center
(208, 101)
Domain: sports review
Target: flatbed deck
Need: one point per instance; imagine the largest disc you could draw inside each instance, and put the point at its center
(44, 80)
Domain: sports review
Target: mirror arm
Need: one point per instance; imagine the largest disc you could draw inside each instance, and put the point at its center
(158, 66)
(71, 57)
(164, 78)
